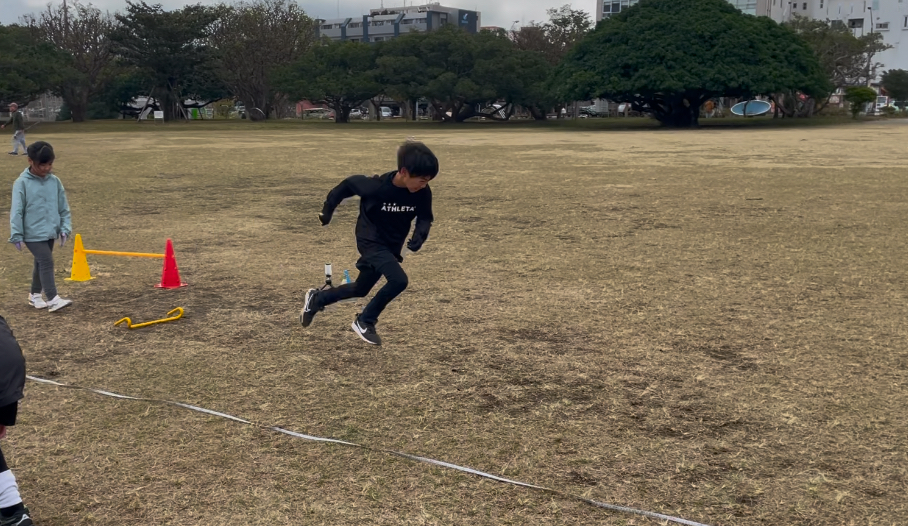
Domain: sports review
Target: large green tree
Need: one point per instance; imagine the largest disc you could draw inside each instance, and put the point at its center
(339, 74)
(859, 97)
(459, 73)
(170, 50)
(29, 66)
(399, 70)
(81, 31)
(552, 40)
(895, 82)
(845, 59)
(254, 39)
(667, 58)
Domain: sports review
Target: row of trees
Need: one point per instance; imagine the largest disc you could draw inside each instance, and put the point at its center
(199, 53)
(664, 57)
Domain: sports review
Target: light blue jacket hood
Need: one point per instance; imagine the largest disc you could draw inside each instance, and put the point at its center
(39, 210)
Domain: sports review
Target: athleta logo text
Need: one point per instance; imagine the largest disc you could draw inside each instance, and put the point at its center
(392, 207)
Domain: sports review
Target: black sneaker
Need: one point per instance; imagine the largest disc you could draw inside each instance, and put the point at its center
(20, 518)
(310, 308)
(366, 331)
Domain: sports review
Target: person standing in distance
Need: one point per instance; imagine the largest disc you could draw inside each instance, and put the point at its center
(18, 121)
(388, 205)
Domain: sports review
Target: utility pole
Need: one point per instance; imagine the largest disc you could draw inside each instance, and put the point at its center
(65, 22)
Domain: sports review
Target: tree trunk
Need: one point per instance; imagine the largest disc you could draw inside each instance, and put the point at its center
(377, 106)
(538, 113)
(464, 112)
(168, 105)
(438, 113)
(680, 114)
(341, 113)
(79, 110)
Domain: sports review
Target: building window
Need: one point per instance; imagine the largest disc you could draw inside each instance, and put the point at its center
(354, 24)
(354, 40)
(378, 23)
(906, 23)
(378, 39)
(337, 26)
(408, 21)
(821, 4)
(804, 7)
(856, 23)
(883, 26)
(327, 26)
(611, 7)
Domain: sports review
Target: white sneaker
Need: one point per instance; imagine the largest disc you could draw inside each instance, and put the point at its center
(36, 301)
(58, 303)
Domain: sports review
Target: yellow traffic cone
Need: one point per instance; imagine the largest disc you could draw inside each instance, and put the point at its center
(80, 271)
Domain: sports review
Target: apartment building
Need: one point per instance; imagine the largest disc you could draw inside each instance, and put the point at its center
(387, 23)
(606, 8)
(887, 17)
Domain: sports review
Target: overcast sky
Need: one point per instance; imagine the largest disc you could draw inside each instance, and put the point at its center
(501, 13)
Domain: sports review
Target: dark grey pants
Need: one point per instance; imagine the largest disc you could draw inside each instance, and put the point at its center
(43, 274)
(371, 269)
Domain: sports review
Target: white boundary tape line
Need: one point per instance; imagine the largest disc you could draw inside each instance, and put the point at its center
(408, 456)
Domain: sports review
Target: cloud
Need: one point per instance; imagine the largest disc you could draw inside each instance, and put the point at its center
(502, 13)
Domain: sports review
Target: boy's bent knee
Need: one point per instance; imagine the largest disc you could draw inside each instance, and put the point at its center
(399, 282)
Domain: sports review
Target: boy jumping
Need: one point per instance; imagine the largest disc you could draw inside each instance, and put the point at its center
(388, 204)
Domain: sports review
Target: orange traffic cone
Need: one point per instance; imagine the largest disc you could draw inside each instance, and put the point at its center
(170, 278)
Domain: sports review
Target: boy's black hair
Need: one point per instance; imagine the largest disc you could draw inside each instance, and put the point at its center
(41, 152)
(418, 159)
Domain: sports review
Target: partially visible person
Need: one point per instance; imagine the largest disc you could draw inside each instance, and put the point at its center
(12, 382)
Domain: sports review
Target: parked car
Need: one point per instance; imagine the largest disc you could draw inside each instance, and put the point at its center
(589, 111)
(386, 112)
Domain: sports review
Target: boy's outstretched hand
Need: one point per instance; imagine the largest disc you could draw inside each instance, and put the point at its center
(324, 219)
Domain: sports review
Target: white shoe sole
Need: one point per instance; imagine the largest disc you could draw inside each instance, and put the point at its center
(59, 305)
(42, 305)
(359, 333)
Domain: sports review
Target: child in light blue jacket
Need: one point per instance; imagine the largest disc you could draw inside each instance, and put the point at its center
(38, 216)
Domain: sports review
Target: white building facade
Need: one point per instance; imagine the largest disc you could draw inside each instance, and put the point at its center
(388, 23)
(887, 17)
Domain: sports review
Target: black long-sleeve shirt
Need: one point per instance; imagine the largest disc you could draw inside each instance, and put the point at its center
(386, 212)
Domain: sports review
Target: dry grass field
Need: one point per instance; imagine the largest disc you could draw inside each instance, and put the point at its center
(708, 324)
